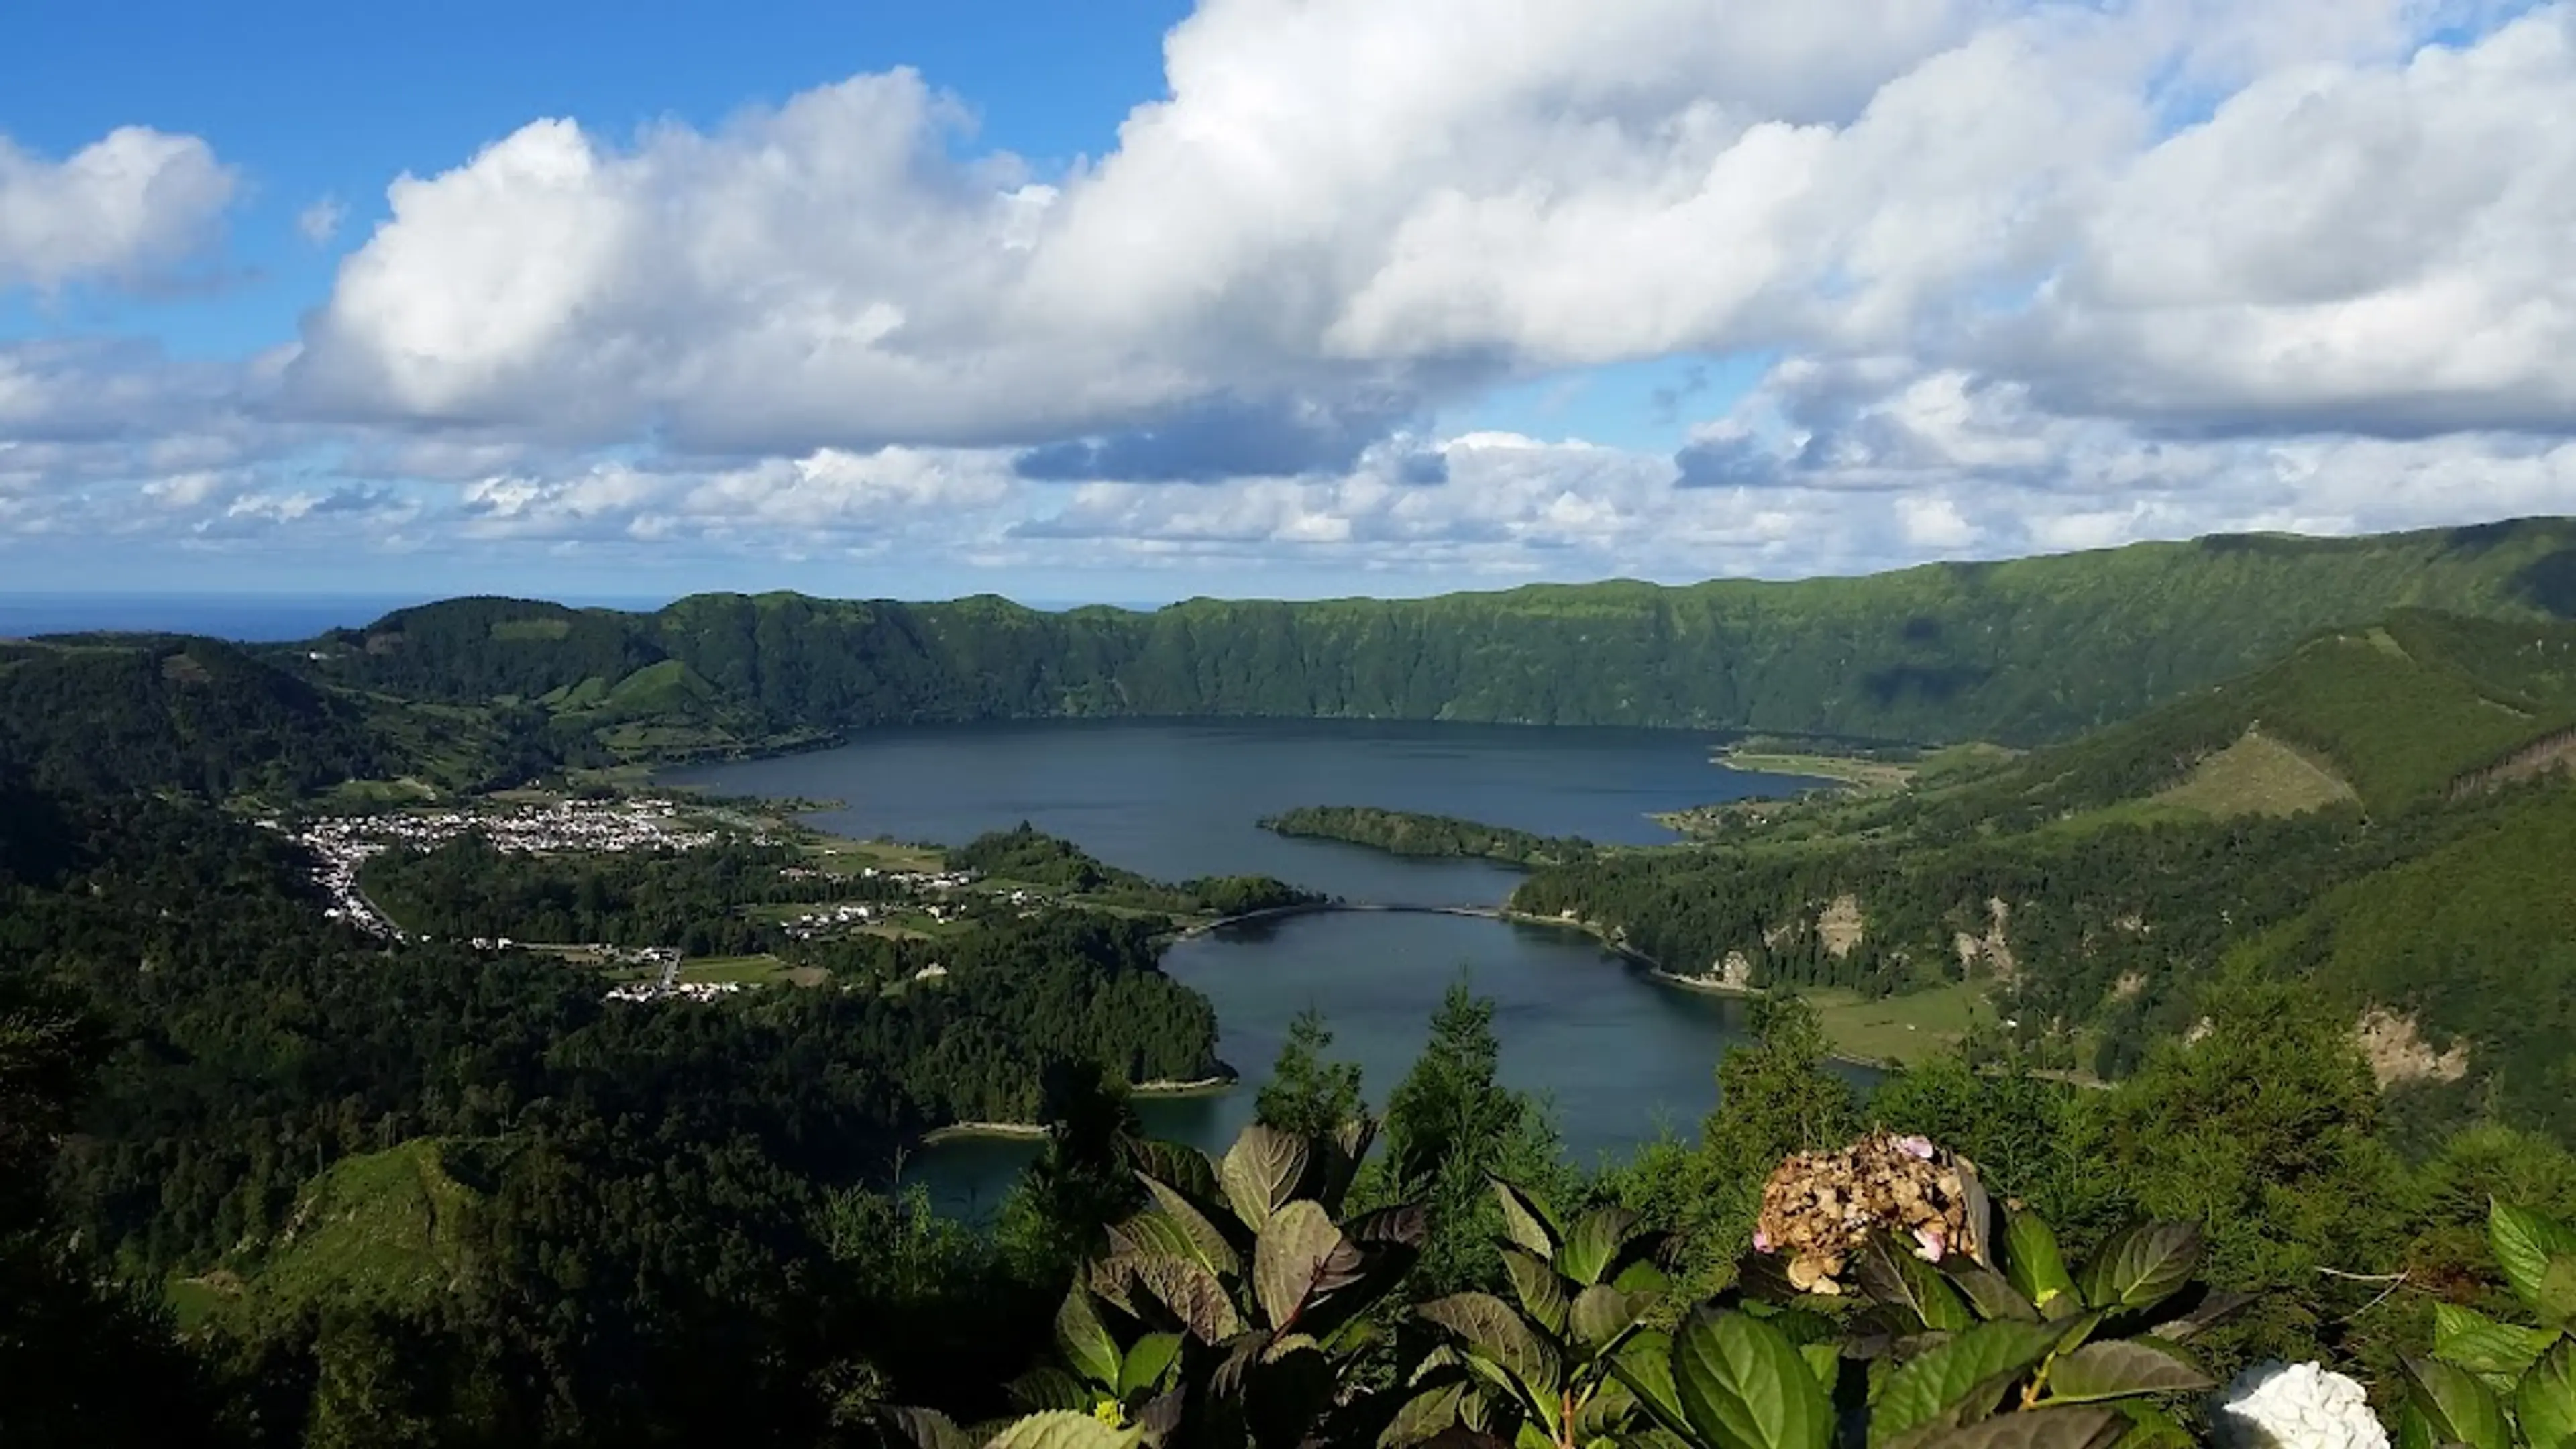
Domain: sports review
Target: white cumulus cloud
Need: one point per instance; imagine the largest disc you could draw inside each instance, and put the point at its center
(125, 208)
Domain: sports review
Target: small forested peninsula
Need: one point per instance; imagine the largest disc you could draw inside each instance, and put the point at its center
(1405, 832)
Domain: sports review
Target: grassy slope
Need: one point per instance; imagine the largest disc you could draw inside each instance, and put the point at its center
(387, 1227)
(2394, 713)
(1912, 1027)
(2257, 775)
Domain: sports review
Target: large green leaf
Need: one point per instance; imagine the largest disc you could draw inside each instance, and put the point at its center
(1206, 1238)
(1191, 1171)
(2465, 1338)
(1261, 1172)
(927, 1428)
(1049, 1387)
(1593, 1243)
(2459, 1409)
(1113, 1277)
(1193, 1295)
(1300, 1256)
(1342, 1152)
(1960, 1379)
(1645, 1364)
(2414, 1431)
(1402, 1226)
(1601, 1313)
(2116, 1368)
(2142, 1266)
(1154, 1233)
(1424, 1415)
(1979, 1212)
(1526, 1220)
(2524, 1242)
(1642, 1276)
(2083, 1428)
(1536, 1284)
(2152, 1427)
(1063, 1429)
(1147, 1362)
(1086, 1343)
(2546, 1399)
(1742, 1385)
(2207, 1307)
(1494, 1333)
(2033, 1264)
(1990, 1293)
(1904, 1282)
(2557, 1304)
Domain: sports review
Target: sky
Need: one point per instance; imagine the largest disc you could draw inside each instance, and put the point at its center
(1140, 301)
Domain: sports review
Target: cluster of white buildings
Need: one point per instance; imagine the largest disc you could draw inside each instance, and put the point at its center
(674, 991)
(816, 925)
(922, 880)
(341, 844)
(916, 884)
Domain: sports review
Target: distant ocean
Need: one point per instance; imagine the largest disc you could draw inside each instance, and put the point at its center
(257, 618)
(251, 618)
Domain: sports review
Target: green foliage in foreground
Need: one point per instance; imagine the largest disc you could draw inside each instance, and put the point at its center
(1229, 1310)
(1404, 832)
(2495, 1385)
(1235, 1311)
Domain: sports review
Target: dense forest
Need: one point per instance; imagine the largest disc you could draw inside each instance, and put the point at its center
(634, 1204)
(2025, 651)
(690, 899)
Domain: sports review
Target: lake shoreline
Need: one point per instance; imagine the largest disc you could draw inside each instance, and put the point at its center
(1504, 914)
(984, 1132)
(1224, 1080)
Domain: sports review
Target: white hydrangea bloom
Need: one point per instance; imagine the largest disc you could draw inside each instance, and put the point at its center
(2296, 1406)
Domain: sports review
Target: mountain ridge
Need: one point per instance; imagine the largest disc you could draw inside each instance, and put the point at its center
(2023, 650)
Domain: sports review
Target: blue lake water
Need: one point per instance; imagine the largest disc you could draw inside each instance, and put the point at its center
(1619, 1058)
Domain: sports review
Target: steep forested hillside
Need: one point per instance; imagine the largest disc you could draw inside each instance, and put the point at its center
(2474, 942)
(117, 713)
(2024, 651)
(2383, 814)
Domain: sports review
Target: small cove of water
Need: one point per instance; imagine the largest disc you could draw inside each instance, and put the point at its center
(1619, 1058)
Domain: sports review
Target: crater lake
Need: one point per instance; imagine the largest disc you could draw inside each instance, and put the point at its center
(1618, 1057)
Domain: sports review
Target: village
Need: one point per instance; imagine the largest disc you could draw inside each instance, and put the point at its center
(342, 844)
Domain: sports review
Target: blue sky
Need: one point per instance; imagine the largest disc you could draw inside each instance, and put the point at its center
(1137, 301)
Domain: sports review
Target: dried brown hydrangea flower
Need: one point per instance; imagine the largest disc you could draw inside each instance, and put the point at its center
(1819, 1207)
